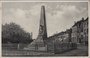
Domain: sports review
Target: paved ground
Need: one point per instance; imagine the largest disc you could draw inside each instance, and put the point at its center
(80, 51)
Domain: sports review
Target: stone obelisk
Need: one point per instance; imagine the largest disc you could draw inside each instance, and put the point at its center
(39, 44)
(42, 28)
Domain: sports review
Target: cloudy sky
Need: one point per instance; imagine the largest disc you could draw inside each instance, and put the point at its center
(59, 15)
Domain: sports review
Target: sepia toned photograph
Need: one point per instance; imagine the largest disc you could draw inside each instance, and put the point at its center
(44, 29)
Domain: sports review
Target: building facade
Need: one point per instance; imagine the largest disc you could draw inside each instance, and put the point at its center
(80, 32)
(74, 34)
(85, 32)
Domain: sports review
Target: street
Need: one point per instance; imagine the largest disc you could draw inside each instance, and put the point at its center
(80, 51)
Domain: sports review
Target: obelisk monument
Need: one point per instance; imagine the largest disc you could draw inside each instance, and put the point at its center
(42, 28)
(39, 43)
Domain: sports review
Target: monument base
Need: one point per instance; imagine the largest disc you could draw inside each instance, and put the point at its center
(37, 45)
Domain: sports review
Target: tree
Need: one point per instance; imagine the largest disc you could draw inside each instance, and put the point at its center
(13, 33)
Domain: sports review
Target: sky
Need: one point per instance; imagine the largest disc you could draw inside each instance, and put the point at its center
(59, 15)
